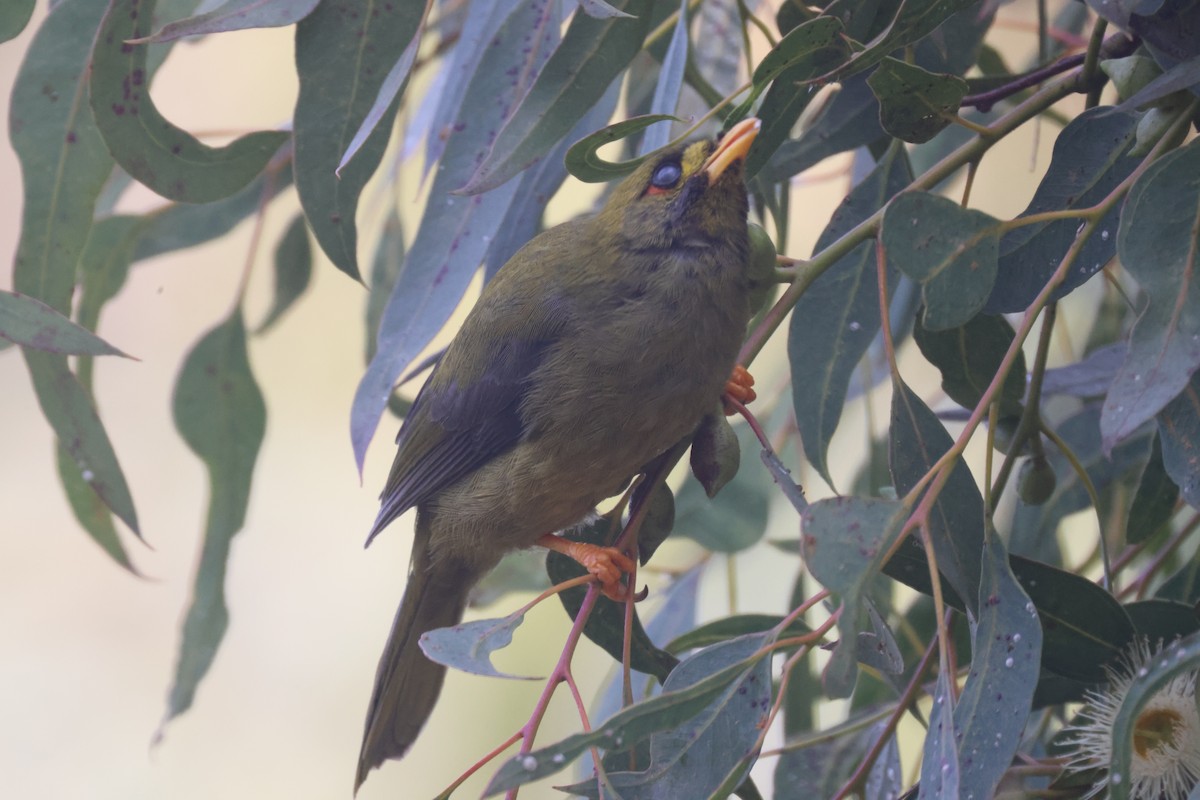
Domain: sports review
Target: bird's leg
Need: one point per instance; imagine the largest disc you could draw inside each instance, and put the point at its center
(740, 388)
(608, 564)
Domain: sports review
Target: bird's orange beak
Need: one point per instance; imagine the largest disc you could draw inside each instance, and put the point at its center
(733, 146)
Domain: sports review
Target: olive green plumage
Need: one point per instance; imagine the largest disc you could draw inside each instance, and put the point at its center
(599, 345)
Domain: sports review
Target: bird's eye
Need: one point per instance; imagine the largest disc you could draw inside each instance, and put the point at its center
(666, 175)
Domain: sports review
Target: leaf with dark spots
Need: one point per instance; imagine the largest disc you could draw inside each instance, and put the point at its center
(32, 323)
(167, 159)
(950, 250)
(342, 61)
(591, 54)
(235, 15)
(456, 232)
(914, 104)
(917, 440)
(219, 411)
(1159, 244)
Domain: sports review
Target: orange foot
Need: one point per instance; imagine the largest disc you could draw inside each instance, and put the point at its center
(607, 564)
(739, 387)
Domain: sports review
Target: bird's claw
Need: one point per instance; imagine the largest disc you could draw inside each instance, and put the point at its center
(607, 565)
(739, 387)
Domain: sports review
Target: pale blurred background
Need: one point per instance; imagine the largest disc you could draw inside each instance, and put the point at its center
(87, 651)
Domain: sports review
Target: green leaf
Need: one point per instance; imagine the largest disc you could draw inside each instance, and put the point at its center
(850, 121)
(584, 163)
(219, 412)
(70, 411)
(693, 758)
(806, 52)
(1164, 620)
(969, 357)
(822, 768)
(468, 646)
(913, 21)
(14, 16)
(1184, 585)
(179, 226)
(1176, 660)
(342, 61)
(32, 323)
(1154, 503)
(914, 105)
(236, 15)
(736, 518)
(1180, 77)
(90, 510)
(518, 571)
(1090, 377)
(726, 628)
(1179, 431)
(940, 767)
(456, 232)
(167, 159)
(606, 625)
(385, 268)
(836, 319)
(951, 251)
(1159, 243)
(663, 712)
(917, 440)
(600, 9)
(1006, 646)
(1090, 159)
(844, 541)
(670, 84)
(590, 55)
(293, 269)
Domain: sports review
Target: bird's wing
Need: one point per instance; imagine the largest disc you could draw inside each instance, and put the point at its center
(453, 429)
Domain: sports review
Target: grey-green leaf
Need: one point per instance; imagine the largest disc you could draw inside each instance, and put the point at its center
(236, 15)
(592, 53)
(969, 357)
(1179, 431)
(165, 158)
(951, 251)
(914, 104)
(31, 323)
(342, 61)
(585, 163)
(670, 84)
(837, 318)
(468, 646)
(14, 16)
(737, 517)
(293, 269)
(219, 411)
(1159, 243)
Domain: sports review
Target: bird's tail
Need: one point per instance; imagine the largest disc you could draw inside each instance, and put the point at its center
(407, 683)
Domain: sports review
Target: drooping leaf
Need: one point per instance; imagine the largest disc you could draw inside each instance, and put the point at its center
(293, 269)
(1090, 158)
(737, 517)
(1179, 432)
(1006, 646)
(670, 84)
(1159, 242)
(236, 15)
(456, 232)
(844, 541)
(167, 159)
(14, 16)
(914, 105)
(606, 625)
(663, 712)
(1154, 503)
(468, 646)
(820, 770)
(917, 440)
(940, 767)
(1090, 377)
(951, 251)
(385, 267)
(726, 628)
(31, 323)
(578, 73)
(913, 21)
(836, 319)
(969, 356)
(343, 58)
(693, 758)
(600, 9)
(90, 510)
(219, 412)
(1159, 619)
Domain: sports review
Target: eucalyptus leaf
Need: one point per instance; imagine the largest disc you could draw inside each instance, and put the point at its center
(14, 16)
(583, 161)
(670, 84)
(914, 104)
(468, 646)
(1179, 432)
(293, 270)
(31, 323)
(236, 15)
(969, 357)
